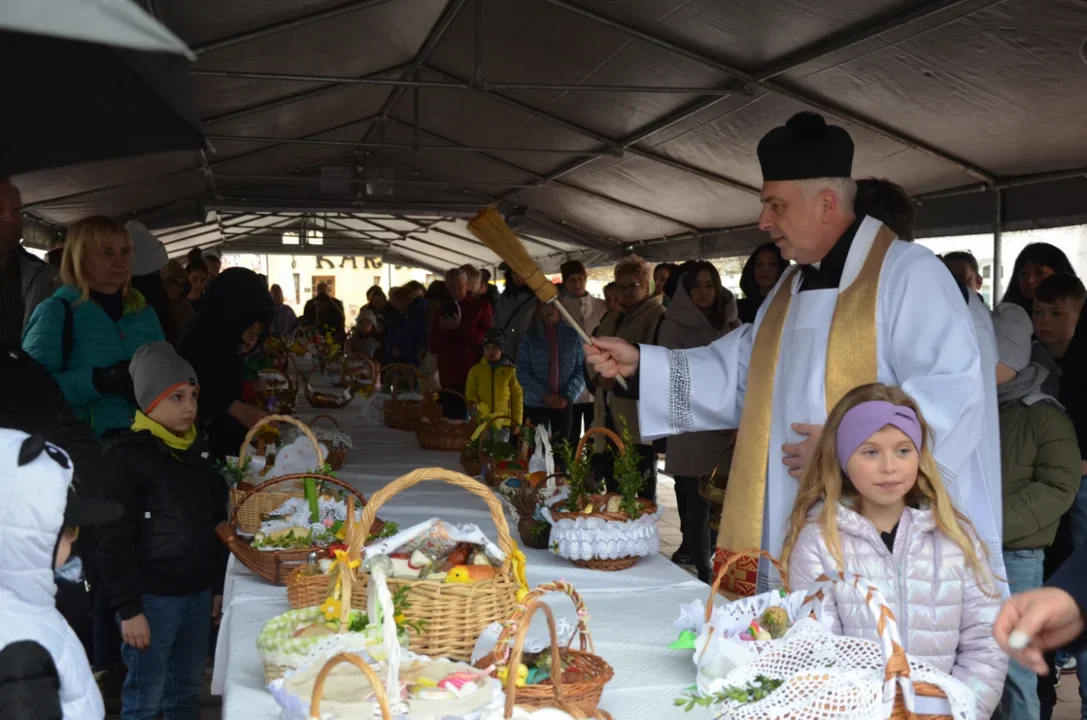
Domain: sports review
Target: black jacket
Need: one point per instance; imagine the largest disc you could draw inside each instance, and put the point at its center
(165, 543)
(232, 304)
(29, 683)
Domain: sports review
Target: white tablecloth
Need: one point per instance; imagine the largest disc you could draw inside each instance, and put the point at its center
(631, 611)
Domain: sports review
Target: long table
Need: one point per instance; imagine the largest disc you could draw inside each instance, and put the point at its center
(631, 611)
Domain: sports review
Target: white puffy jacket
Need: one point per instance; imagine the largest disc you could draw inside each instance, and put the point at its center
(944, 617)
(32, 500)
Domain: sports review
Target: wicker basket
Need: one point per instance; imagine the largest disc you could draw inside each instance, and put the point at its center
(598, 501)
(251, 508)
(337, 455)
(442, 434)
(281, 392)
(360, 374)
(325, 401)
(375, 683)
(400, 414)
(491, 475)
(473, 468)
(276, 565)
(455, 614)
(580, 698)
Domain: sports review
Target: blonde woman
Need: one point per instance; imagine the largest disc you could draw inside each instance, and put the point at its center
(87, 332)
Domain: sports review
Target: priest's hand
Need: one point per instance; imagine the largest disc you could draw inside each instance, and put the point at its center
(1036, 621)
(798, 455)
(610, 356)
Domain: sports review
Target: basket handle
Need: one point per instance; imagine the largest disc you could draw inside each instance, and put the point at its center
(733, 559)
(491, 421)
(375, 683)
(406, 482)
(518, 650)
(325, 417)
(273, 419)
(600, 430)
(501, 648)
(299, 476)
(403, 368)
(897, 668)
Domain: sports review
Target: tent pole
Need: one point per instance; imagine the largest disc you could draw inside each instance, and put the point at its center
(998, 227)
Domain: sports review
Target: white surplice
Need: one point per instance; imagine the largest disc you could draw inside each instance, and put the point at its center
(926, 344)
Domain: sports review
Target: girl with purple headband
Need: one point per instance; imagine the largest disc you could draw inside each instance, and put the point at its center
(872, 503)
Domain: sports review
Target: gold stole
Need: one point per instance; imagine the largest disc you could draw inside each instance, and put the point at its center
(851, 361)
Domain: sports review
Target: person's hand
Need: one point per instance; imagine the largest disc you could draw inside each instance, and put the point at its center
(448, 322)
(798, 455)
(136, 632)
(561, 402)
(114, 380)
(549, 400)
(247, 415)
(610, 356)
(1035, 622)
(216, 609)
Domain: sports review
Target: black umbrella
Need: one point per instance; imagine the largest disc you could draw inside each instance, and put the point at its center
(84, 81)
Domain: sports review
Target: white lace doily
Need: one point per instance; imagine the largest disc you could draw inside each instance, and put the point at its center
(295, 513)
(329, 437)
(594, 538)
(829, 677)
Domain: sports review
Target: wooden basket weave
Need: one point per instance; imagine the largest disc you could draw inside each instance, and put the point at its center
(598, 501)
(325, 401)
(276, 565)
(580, 699)
(582, 684)
(400, 414)
(252, 508)
(285, 391)
(442, 434)
(455, 614)
(336, 455)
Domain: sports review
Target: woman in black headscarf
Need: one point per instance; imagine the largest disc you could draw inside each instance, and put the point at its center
(233, 322)
(760, 274)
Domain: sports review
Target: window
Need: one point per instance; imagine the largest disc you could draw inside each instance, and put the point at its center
(315, 237)
(297, 288)
(290, 238)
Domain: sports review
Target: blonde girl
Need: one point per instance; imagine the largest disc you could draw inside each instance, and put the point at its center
(872, 503)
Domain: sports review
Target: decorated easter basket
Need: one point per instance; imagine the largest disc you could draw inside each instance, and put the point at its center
(280, 390)
(326, 401)
(337, 451)
(360, 374)
(494, 474)
(250, 508)
(582, 682)
(436, 433)
(455, 614)
(285, 642)
(816, 675)
(400, 414)
(375, 683)
(615, 545)
(470, 459)
(276, 565)
(579, 699)
(524, 500)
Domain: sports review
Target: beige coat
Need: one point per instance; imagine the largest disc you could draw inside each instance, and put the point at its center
(588, 311)
(637, 327)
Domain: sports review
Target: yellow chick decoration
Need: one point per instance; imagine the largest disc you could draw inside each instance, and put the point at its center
(468, 574)
(522, 675)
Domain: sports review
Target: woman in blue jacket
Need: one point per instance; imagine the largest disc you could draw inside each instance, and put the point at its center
(551, 372)
(86, 333)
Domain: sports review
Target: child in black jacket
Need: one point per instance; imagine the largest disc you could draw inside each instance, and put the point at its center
(161, 563)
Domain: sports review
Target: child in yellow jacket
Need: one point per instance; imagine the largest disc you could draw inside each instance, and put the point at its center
(492, 383)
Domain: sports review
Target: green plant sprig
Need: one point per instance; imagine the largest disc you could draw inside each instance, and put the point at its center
(628, 476)
(578, 471)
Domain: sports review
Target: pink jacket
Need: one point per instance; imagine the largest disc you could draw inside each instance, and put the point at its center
(943, 616)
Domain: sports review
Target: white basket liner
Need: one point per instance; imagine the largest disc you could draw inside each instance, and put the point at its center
(594, 538)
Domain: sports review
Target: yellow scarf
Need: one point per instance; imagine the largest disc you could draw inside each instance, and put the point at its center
(176, 442)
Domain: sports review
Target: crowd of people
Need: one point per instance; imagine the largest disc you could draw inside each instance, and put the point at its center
(138, 373)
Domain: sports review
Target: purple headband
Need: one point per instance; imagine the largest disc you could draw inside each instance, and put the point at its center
(865, 420)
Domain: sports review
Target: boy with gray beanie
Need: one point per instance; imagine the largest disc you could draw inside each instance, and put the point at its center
(1039, 460)
(161, 563)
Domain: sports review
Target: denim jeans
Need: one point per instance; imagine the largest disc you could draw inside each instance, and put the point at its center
(1078, 516)
(1020, 699)
(167, 677)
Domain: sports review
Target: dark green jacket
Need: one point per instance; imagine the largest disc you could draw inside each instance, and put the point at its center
(1040, 464)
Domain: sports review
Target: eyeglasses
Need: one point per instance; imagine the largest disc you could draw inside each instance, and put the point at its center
(627, 288)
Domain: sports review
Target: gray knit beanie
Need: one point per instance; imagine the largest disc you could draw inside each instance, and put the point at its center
(1013, 330)
(156, 369)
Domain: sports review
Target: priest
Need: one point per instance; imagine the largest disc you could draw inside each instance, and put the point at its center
(860, 306)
